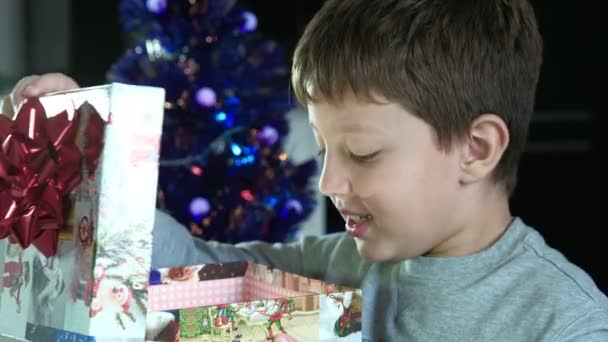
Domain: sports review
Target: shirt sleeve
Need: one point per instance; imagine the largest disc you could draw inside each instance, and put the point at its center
(332, 257)
(592, 326)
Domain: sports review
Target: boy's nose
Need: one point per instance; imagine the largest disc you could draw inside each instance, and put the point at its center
(334, 180)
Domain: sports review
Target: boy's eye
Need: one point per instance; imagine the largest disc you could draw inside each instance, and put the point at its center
(363, 158)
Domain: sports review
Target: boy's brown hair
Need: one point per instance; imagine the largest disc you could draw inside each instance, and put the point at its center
(446, 61)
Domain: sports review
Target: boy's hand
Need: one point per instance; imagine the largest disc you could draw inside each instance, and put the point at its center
(34, 86)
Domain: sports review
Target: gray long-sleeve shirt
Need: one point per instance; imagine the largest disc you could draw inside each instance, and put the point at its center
(519, 289)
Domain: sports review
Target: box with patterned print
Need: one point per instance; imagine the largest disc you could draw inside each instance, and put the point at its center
(248, 302)
(78, 178)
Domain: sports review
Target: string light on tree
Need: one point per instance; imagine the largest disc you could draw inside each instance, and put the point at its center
(236, 149)
(268, 135)
(292, 206)
(247, 195)
(156, 6)
(199, 207)
(196, 170)
(250, 22)
(220, 116)
(206, 97)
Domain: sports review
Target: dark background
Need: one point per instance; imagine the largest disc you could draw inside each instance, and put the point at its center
(562, 184)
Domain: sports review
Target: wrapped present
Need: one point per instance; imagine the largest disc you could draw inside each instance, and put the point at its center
(78, 177)
(249, 302)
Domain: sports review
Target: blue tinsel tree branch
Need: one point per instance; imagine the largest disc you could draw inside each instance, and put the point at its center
(224, 172)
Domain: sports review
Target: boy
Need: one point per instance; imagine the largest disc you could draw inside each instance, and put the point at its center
(421, 110)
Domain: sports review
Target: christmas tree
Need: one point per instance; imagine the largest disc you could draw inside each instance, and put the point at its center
(223, 171)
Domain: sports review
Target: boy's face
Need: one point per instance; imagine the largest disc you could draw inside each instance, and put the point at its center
(383, 170)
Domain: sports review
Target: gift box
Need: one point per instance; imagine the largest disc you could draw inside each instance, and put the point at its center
(78, 178)
(249, 302)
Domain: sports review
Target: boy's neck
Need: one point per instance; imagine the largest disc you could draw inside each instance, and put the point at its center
(486, 216)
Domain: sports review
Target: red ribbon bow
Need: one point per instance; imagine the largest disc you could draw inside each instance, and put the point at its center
(40, 164)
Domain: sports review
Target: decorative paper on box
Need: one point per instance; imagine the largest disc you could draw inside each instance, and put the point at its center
(248, 302)
(88, 156)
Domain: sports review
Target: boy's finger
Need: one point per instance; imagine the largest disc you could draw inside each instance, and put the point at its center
(49, 83)
(17, 93)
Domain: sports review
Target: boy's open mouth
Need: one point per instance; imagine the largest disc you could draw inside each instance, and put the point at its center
(357, 225)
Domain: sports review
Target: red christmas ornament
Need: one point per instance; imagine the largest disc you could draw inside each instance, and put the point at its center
(247, 195)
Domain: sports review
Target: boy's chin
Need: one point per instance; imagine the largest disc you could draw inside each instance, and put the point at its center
(373, 252)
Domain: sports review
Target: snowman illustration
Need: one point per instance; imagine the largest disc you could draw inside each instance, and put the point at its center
(111, 296)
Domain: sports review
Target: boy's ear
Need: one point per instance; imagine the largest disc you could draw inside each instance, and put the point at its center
(483, 148)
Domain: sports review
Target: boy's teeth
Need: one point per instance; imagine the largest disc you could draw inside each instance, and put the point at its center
(360, 217)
